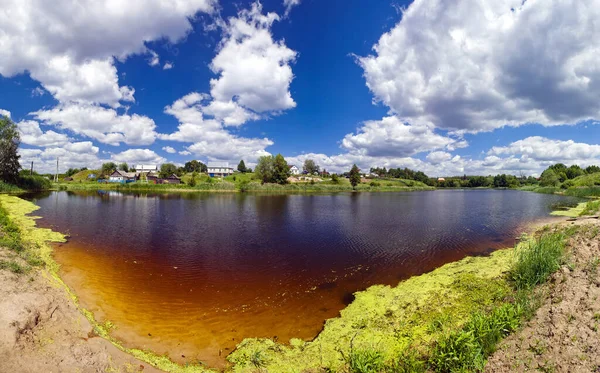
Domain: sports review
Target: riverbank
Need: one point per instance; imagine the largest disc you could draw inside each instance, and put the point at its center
(404, 328)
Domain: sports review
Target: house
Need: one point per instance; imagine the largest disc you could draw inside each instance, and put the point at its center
(121, 177)
(219, 169)
(441, 179)
(294, 170)
(173, 179)
(141, 168)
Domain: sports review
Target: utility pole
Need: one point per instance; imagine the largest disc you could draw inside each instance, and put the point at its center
(31, 172)
(56, 176)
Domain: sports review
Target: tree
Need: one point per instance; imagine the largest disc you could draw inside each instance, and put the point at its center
(166, 170)
(354, 176)
(335, 179)
(124, 167)
(192, 181)
(9, 144)
(281, 170)
(592, 169)
(310, 166)
(108, 168)
(195, 166)
(549, 178)
(264, 169)
(242, 167)
(574, 171)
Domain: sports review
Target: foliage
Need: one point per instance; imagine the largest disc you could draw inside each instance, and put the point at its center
(590, 208)
(549, 178)
(166, 170)
(272, 169)
(195, 166)
(108, 168)
(365, 361)
(537, 260)
(264, 169)
(335, 179)
(192, 182)
(9, 144)
(124, 167)
(354, 176)
(242, 167)
(310, 167)
(34, 183)
(281, 170)
(505, 181)
(592, 169)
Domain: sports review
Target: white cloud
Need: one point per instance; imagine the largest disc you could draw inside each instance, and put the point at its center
(138, 156)
(69, 47)
(71, 155)
(254, 70)
(548, 151)
(168, 66)
(154, 59)
(185, 152)
(169, 149)
(391, 137)
(38, 92)
(479, 65)
(102, 124)
(32, 134)
(438, 157)
(210, 139)
(5, 113)
(289, 4)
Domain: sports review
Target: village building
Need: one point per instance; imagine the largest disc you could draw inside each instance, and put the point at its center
(143, 168)
(173, 179)
(219, 169)
(121, 177)
(294, 170)
(440, 179)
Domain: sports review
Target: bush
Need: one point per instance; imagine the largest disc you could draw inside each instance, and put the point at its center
(34, 183)
(537, 260)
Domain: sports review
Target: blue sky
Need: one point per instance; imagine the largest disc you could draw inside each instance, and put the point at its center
(448, 88)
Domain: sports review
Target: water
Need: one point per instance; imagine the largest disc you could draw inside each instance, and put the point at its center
(191, 275)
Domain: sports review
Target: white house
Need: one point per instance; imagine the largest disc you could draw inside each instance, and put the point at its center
(121, 176)
(294, 170)
(219, 169)
(146, 168)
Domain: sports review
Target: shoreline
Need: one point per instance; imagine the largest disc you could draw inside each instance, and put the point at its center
(417, 288)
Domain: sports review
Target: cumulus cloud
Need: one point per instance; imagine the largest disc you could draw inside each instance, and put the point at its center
(438, 157)
(209, 137)
(70, 155)
(69, 47)
(5, 113)
(138, 156)
(254, 72)
(548, 151)
(154, 59)
(101, 124)
(289, 4)
(169, 149)
(479, 65)
(168, 66)
(32, 134)
(391, 137)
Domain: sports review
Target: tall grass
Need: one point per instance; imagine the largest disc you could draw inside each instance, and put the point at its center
(10, 238)
(590, 208)
(592, 191)
(537, 260)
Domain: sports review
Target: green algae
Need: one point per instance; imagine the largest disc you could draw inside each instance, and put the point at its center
(414, 315)
(19, 212)
(571, 212)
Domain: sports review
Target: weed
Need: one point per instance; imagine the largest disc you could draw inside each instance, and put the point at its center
(537, 260)
(365, 361)
(458, 351)
(258, 359)
(12, 266)
(408, 362)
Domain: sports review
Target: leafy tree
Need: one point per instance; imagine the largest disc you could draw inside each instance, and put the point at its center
(166, 170)
(180, 171)
(248, 169)
(354, 176)
(549, 178)
(124, 167)
(195, 166)
(281, 170)
(264, 169)
(501, 181)
(242, 167)
(574, 171)
(477, 182)
(310, 166)
(193, 181)
(9, 144)
(335, 179)
(108, 168)
(560, 170)
(592, 169)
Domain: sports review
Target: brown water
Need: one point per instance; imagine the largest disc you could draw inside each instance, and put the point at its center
(191, 275)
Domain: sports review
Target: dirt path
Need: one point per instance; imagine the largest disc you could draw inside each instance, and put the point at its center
(564, 335)
(42, 331)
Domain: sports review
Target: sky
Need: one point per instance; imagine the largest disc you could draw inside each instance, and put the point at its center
(473, 87)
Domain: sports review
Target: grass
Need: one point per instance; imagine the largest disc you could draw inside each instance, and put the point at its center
(538, 260)
(591, 208)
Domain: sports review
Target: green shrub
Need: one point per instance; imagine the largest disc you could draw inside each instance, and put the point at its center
(34, 183)
(537, 260)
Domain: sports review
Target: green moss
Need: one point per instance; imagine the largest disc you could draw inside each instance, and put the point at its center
(572, 212)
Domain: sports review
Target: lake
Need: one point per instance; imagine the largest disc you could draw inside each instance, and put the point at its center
(191, 275)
